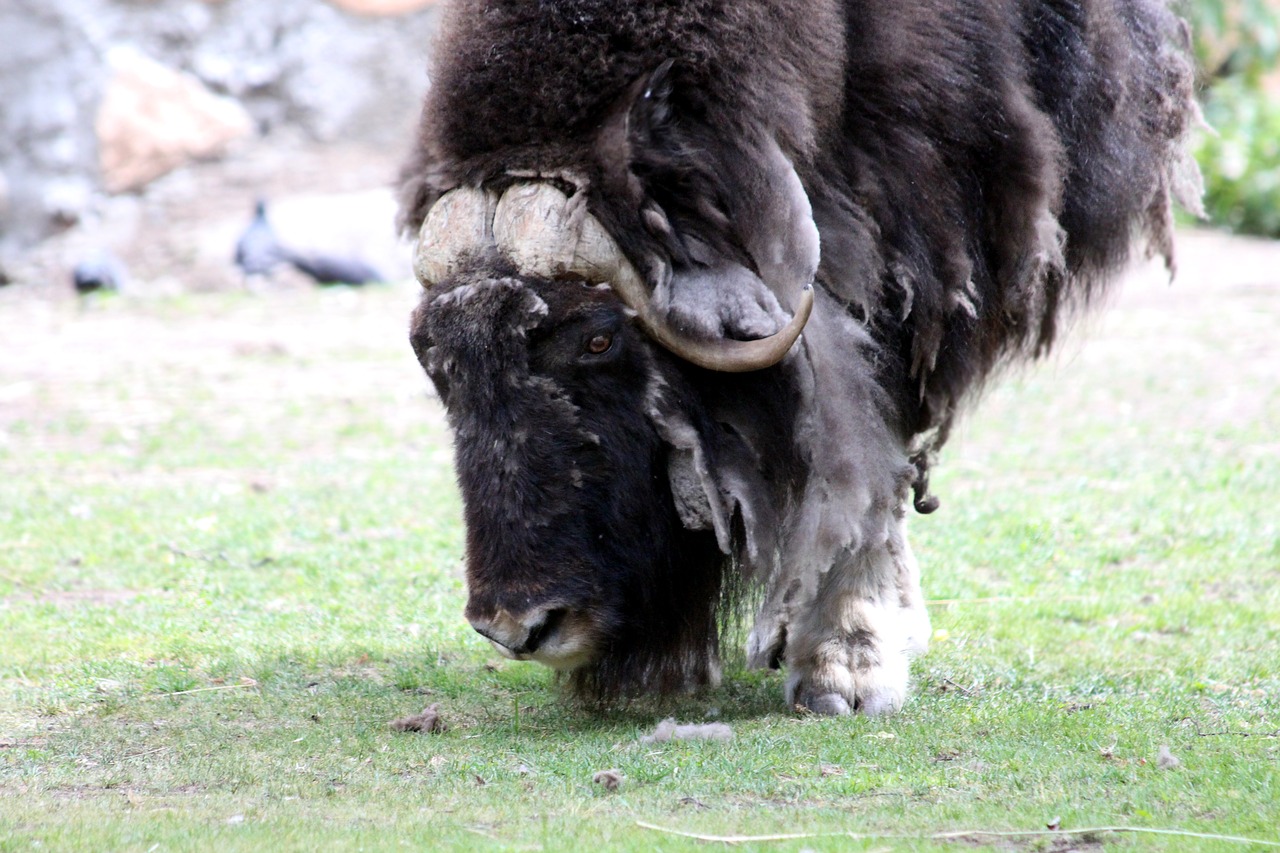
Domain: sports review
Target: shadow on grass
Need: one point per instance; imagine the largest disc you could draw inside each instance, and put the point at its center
(489, 695)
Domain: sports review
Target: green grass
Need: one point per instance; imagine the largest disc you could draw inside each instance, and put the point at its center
(230, 554)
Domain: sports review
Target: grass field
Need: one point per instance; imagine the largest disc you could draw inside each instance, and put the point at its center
(230, 555)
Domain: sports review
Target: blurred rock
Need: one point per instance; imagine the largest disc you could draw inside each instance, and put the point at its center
(327, 268)
(357, 225)
(153, 120)
(309, 73)
(65, 200)
(382, 7)
(46, 119)
(308, 64)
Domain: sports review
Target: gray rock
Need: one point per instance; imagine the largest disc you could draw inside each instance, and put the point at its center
(292, 64)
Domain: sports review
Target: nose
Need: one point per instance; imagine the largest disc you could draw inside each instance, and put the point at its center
(522, 633)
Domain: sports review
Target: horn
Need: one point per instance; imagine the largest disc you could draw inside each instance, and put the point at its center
(545, 233)
(458, 225)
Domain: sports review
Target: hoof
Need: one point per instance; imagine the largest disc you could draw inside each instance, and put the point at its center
(827, 704)
(880, 704)
(834, 687)
(835, 705)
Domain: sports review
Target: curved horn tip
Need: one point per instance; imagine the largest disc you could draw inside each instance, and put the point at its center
(534, 227)
(730, 356)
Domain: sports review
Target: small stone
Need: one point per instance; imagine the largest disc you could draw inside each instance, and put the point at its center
(428, 722)
(383, 7)
(668, 730)
(611, 780)
(1166, 760)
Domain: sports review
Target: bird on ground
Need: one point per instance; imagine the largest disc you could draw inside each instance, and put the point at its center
(101, 271)
(258, 251)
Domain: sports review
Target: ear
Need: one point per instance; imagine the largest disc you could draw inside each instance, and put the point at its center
(424, 348)
(649, 112)
(637, 118)
(636, 123)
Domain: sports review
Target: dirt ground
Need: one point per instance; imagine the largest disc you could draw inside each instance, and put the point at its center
(179, 235)
(1222, 309)
(178, 239)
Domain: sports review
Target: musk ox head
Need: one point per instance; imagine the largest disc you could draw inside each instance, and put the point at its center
(576, 556)
(589, 393)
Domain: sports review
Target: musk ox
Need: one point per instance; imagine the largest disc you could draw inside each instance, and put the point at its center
(708, 281)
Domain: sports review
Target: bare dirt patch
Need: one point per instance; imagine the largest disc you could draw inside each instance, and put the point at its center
(96, 597)
(1088, 843)
(1164, 339)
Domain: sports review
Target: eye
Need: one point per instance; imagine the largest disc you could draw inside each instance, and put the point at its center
(600, 344)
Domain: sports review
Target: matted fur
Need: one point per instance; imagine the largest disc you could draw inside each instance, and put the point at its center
(976, 169)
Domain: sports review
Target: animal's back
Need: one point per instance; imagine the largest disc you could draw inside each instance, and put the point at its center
(528, 84)
(975, 168)
(1002, 158)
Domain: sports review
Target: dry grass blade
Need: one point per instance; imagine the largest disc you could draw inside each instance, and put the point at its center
(1007, 599)
(968, 833)
(246, 684)
(1101, 830)
(746, 839)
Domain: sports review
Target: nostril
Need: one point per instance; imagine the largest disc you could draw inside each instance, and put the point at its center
(519, 635)
(538, 634)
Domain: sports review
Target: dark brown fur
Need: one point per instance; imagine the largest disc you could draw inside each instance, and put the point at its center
(976, 169)
(933, 138)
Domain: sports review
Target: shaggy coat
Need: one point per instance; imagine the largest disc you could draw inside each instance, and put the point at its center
(975, 170)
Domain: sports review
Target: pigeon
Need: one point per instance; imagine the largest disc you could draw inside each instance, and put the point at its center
(333, 269)
(101, 271)
(258, 251)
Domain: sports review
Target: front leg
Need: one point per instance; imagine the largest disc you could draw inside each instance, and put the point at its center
(849, 649)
